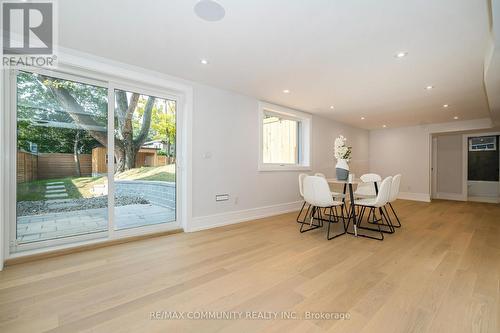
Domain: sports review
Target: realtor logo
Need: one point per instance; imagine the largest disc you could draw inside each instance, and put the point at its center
(28, 30)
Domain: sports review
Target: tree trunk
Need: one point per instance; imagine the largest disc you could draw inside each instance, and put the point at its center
(126, 147)
(76, 155)
(120, 160)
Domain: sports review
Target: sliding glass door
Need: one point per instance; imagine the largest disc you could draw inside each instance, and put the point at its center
(144, 178)
(66, 147)
(61, 124)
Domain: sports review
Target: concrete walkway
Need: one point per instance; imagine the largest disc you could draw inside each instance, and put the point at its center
(57, 225)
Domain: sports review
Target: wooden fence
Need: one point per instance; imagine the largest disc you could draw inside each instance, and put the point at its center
(32, 167)
(56, 165)
(27, 167)
(164, 160)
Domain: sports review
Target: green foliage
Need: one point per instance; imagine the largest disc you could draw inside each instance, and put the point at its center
(163, 120)
(37, 110)
(43, 120)
(53, 139)
(36, 102)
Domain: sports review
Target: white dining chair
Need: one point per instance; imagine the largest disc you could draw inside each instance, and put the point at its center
(336, 195)
(366, 189)
(317, 194)
(373, 204)
(396, 182)
(301, 191)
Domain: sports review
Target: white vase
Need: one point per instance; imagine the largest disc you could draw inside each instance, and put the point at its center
(342, 169)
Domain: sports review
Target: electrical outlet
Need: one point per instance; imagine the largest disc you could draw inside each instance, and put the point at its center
(221, 197)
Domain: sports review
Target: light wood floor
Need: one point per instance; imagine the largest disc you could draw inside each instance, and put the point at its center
(439, 273)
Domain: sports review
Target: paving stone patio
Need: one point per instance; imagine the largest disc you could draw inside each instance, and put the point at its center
(56, 225)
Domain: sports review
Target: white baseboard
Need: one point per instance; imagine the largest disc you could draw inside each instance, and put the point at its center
(484, 199)
(414, 196)
(219, 220)
(450, 196)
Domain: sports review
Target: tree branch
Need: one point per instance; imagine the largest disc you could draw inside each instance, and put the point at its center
(131, 107)
(146, 123)
(75, 110)
(121, 101)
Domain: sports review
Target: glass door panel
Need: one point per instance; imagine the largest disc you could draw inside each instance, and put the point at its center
(62, 187)
(144, 148)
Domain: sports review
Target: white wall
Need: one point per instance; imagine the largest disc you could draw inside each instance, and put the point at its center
(407, 150)
(449, 165)
(225, 159)
(2, 161)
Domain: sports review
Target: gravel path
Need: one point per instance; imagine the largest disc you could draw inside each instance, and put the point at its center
(25, 208)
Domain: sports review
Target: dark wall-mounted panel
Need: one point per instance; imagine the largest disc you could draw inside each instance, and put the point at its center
(484, 165)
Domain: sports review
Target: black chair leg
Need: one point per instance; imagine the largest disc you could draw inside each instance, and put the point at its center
(380, 222)
(385, 215)
(301, 210)
(335, 220)
(311, 225)
(371, 213)
(396, 215)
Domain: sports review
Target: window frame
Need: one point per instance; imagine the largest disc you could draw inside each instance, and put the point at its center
(303, 136)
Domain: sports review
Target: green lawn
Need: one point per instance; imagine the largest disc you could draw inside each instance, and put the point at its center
(75, 187)
(81, 187)
(164, 173)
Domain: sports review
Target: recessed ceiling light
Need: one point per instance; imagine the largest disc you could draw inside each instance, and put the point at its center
(362, 118)
(286, 91)
(331, 107)
(445, 105)
(429, 87)
(204, 61)
(209, 10)
(455, 117)
(384, 126)
(401, 54)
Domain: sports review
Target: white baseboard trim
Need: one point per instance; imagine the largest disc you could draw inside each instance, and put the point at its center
(219, 220)
(414, 196)
(484, 199)
(450, 196)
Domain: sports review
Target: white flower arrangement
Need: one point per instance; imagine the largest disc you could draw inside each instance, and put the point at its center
(342, 152)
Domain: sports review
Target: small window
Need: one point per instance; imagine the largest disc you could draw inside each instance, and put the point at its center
(483, 143)
(284, 138)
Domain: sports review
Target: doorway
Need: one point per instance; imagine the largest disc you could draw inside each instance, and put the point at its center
(483, 168)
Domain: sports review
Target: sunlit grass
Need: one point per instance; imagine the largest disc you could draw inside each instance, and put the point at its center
(75, 188)
(82, 187)
(164, 173)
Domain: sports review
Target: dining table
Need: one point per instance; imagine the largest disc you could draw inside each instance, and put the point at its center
(348, 184)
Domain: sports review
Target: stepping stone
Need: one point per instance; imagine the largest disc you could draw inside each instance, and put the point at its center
(59, 195)
(55, 183)
(54, 187)
(63, 190)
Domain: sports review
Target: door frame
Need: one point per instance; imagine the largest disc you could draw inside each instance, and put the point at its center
(434, 166)
(87, 69)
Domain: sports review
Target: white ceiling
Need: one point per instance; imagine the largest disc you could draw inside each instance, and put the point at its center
(326, 52)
